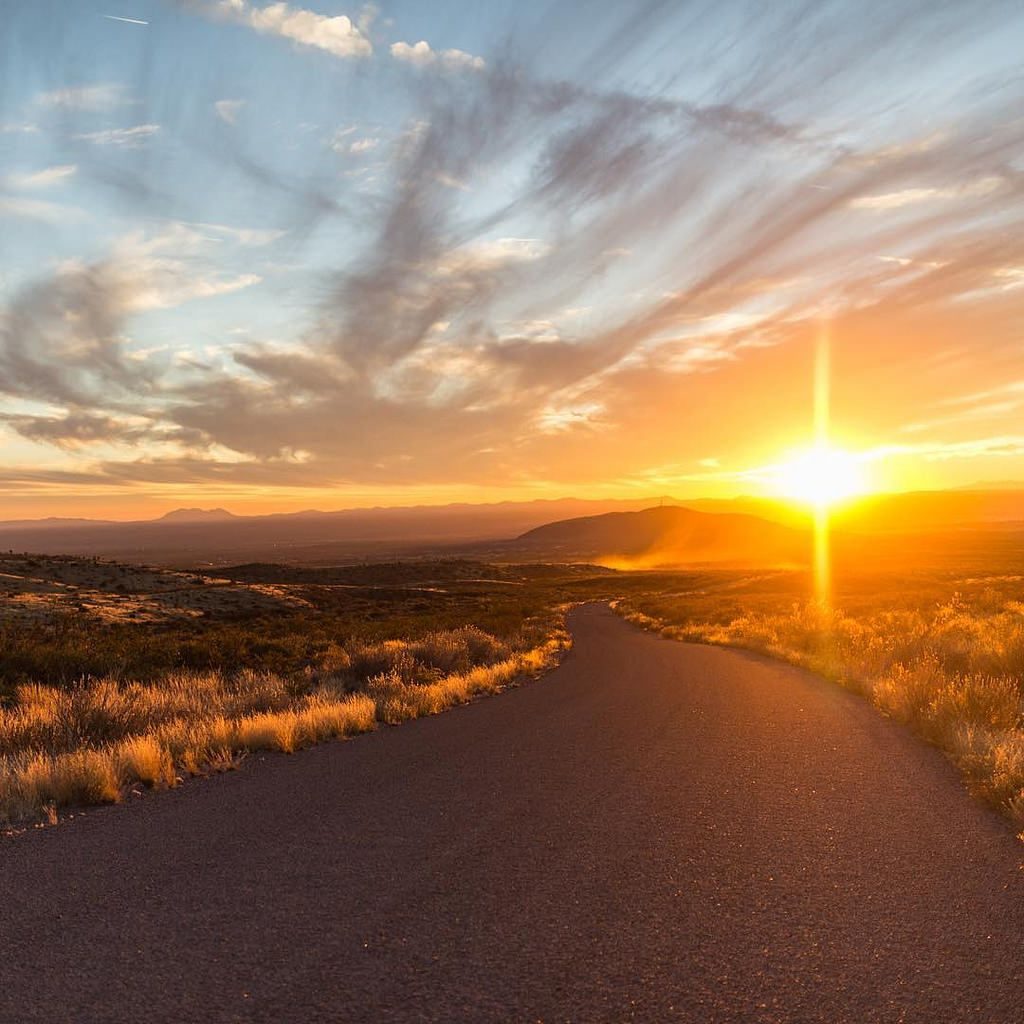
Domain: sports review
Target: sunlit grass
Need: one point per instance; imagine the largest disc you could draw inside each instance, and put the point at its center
(61, 747)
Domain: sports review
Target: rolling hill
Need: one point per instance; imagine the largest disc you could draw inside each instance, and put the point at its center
(667, 536)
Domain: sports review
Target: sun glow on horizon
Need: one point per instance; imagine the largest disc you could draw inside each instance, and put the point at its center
(821, 476)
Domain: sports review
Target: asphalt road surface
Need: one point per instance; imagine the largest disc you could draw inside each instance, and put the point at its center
(655, 831)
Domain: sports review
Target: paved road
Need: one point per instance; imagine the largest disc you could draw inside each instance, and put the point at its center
(653, 832)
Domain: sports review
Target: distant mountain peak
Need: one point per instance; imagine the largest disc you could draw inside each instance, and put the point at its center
(197, 515)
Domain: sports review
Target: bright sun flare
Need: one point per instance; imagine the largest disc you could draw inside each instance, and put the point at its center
(821, 476)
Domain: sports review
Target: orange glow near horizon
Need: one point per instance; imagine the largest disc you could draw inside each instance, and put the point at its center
(822, 475)
(834, 476)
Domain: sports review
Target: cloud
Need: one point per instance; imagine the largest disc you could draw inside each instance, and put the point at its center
(166, 288)
(363, 145)
(169, 268)
(485, 257)
(367, 16)
(41, 179)
(449, 182)
(39, 210)
(338, 141)
(60, 341)
(909, 196)
(91, 98)
(75, 429)
(1010, 277)
(63, 343)
(1001, 446)
(421, 55)
(554, 419)
(126, 138)
(335, 35)
(227, 110)
(62, 337)
(249, 237)
(439, 335)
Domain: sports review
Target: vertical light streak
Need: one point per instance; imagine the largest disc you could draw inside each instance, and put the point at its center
(822, 395)
(822, 558)
(822, 383)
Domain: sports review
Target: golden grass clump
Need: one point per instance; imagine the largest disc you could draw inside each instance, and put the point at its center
(32, 783)
(397, 700)
(144, 759)
(267, 731)
(84, 744)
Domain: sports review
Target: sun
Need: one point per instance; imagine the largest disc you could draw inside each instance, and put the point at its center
(821, 476)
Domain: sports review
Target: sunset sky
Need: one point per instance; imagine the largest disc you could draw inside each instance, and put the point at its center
(276, 257)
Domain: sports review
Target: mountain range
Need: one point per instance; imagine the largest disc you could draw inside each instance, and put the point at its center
(651, 532)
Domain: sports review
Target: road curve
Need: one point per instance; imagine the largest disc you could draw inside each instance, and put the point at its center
(655, 831)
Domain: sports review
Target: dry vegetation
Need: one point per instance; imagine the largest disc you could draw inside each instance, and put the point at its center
(343, 663)
(87, 743)
(33, 588)
(279, 657)
(952, 667)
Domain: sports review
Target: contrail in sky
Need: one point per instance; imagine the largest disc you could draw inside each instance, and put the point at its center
(130, 21)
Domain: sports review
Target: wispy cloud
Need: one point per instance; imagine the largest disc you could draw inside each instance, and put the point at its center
(363, 145)
(41, 179)
(127, 138)
(1001, 446)
(253, 237)
(339, 140)
(97, 97)
(227, 110)
(39, 210)
(910, 196)
(169, 268)
(175, 293)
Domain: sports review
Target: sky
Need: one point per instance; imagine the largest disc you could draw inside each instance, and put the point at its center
(276, 257)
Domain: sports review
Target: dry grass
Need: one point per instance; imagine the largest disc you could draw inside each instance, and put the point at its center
(61, 747)
(953, 672)
(398, 699)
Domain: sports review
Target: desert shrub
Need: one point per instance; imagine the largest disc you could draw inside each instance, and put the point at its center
(906, 692)
(458, 650)
(991, 702)
(369, 661)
